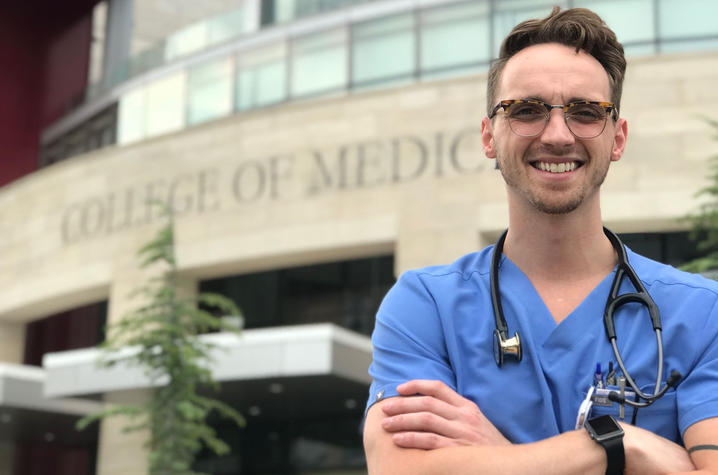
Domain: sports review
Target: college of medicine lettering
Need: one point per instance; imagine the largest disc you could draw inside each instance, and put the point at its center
(307, 174)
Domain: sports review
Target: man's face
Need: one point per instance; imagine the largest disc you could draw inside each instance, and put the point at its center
(553, 172)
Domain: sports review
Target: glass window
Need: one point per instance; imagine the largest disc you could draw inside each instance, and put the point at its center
(279, 11)
(509, 13)
(75, 144)
(209, 91)
(80, 327)
(226, 26)
(306, 7)
(346, 293)
(131, 117)
(324, 440)
(283, 10)
(312, 7)
(632, 20)
(687, 18)
(165, 105)
(261, 77)
(187, 40)
(670, 248)
(319, 63)
(147, 59)
(690, 45)
(455, 36)
(383, 49)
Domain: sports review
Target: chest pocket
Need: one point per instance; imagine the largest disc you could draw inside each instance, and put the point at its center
(661, 417)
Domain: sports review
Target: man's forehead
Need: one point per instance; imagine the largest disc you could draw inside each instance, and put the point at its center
(552, 69)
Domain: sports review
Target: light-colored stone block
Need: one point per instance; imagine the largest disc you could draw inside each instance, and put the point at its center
(121, 453)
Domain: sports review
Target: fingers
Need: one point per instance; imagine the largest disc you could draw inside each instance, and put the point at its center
(429, 414)
(421, 440)
(424, 431)
(432, 388)
(405, 405)
(425, 422)
(435, 401)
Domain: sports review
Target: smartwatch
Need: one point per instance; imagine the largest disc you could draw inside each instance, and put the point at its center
(607, 432)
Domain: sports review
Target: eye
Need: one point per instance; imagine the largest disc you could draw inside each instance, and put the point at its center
(586, 113)
(526, 112)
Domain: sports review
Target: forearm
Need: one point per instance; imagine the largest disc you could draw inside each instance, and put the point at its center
(703, 433)
(569, 453)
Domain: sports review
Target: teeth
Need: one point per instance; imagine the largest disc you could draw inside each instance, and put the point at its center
(557, 167)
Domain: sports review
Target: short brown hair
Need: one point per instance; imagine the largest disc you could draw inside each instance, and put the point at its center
(578, 28)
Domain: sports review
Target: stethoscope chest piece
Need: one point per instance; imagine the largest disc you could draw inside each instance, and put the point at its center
(503, 345)
(506, 346)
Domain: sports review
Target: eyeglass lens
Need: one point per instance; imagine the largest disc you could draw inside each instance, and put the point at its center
(583, 120)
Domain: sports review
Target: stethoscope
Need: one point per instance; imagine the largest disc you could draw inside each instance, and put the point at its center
(511, 347)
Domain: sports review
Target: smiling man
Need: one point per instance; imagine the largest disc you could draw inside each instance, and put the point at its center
(452, 393)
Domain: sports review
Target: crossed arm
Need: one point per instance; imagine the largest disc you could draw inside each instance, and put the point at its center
(442, 432)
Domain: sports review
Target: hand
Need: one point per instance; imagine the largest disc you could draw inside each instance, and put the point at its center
(648, 453)
(435, 418)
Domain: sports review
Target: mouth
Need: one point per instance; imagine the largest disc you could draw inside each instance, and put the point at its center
(552, 167)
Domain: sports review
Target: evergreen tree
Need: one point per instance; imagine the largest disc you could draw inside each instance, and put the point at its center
(704, 223)
(164, 332)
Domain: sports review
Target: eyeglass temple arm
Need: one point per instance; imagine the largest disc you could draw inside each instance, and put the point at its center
(495, 110)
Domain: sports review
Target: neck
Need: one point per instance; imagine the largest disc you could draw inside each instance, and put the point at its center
(555, 248)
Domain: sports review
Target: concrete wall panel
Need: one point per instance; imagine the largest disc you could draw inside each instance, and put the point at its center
(397, 170)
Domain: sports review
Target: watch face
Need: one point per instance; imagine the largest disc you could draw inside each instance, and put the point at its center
(604, 425)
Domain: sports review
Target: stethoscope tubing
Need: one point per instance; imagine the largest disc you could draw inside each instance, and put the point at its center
(499, 318)
(614, 301)
(624, 269)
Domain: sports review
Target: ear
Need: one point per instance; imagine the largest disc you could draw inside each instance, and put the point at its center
(619, 140)
(487, 138)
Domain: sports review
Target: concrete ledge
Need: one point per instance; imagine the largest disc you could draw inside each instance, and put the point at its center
(21, 387)
(289, 351)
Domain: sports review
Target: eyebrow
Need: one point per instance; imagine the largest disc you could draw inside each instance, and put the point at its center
(577, 99)
(573, 99)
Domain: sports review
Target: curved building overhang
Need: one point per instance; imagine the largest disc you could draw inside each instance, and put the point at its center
(279, 353)
(22, 387)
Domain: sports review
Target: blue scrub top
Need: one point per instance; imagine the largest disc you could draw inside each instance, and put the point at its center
(437, 323)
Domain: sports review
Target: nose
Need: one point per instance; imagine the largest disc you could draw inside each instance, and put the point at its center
(556, 132)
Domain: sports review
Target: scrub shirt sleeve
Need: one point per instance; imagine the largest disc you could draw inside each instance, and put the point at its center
(408, 340)
(698, 392)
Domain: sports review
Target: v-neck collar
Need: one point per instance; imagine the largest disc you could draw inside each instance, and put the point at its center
(538, 319)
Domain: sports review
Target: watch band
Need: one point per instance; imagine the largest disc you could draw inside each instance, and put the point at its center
(609, 434)
(615, 457)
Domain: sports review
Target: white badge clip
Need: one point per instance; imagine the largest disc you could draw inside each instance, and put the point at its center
(585, 409)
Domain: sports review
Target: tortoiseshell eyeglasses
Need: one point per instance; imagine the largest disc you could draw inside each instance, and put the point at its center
(528, 117)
